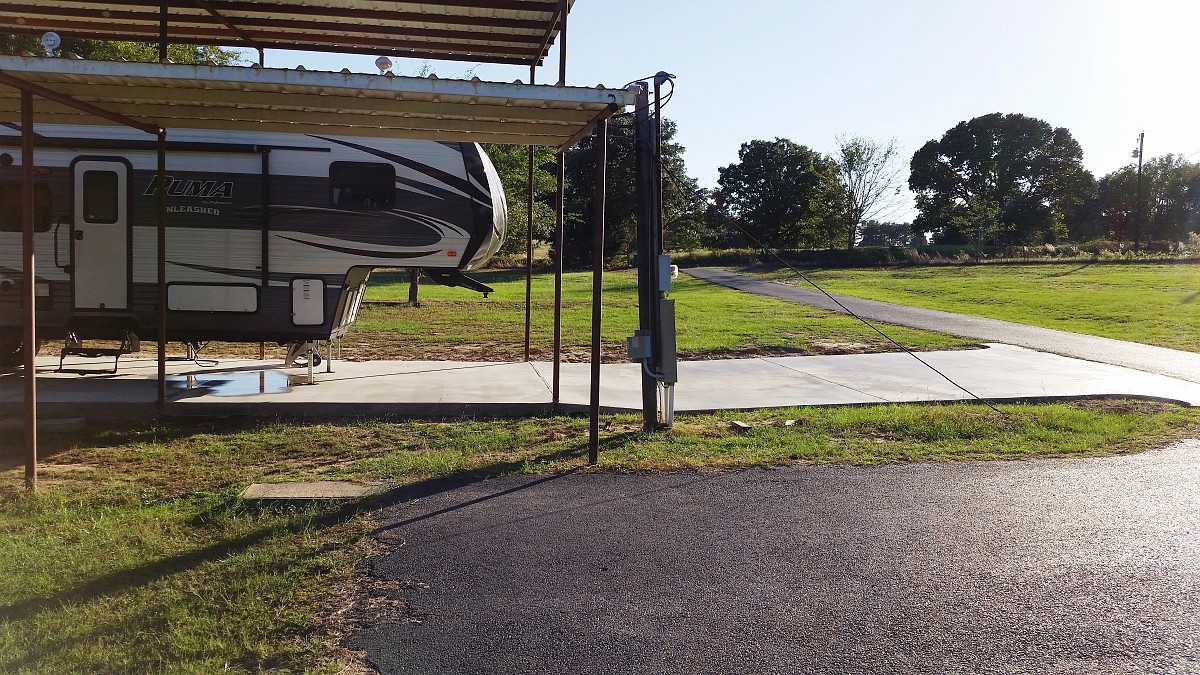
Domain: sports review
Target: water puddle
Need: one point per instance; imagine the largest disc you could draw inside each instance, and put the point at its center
(233, 384)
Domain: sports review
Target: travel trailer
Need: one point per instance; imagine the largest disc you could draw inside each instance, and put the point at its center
(269, 237)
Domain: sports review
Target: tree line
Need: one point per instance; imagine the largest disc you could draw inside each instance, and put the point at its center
(995, 180)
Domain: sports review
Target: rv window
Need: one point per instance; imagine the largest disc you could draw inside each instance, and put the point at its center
(362, 186)
(100, 196)
(10, 208)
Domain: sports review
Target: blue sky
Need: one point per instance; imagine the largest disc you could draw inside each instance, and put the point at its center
(905, 69)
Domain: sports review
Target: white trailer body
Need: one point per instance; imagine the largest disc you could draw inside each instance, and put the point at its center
(269, 237)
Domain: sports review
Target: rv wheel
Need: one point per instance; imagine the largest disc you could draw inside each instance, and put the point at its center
(11, 354)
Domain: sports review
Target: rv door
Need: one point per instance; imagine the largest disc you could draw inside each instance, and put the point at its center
(100, 240)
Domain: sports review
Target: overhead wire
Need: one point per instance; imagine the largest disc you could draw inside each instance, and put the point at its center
(698, 196)
(679, 184)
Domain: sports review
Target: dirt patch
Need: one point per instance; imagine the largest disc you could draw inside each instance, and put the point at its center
(1125, 406)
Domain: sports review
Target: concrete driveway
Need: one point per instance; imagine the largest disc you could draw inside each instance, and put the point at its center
(1087, 565)
(1146, 358)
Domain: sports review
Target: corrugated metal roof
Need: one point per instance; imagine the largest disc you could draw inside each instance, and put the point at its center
(295, 101)
(491, 31)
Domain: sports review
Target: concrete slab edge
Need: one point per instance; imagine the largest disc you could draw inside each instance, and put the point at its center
(442, 411)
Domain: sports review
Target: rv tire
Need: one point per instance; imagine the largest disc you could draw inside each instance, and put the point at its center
(12, 355)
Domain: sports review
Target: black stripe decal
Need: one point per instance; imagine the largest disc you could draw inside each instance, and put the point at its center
(363, 252)
(229, 272)
(465, 186)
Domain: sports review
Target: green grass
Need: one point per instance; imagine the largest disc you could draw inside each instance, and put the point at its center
(712, 321)
(137, 556)
(1156, 304)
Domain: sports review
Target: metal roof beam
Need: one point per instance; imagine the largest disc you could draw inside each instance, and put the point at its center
(201, 25)
(317, 102)
(587, 128)
(203, 4)
(507, 138)
(380, 123)
(249, 8)
(38, 90)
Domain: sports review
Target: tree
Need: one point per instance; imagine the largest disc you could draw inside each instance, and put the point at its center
(1022, 170)
(785, 195)
(512, 164)
(875, 233)
(1170, 201)
(1116, 195)
(107, 50)
(869, 172)
(683, 203)
(1171, 197)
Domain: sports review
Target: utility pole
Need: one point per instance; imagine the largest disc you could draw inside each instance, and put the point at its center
(1137, 218)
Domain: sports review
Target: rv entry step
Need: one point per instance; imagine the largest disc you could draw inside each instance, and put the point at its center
(73, 346)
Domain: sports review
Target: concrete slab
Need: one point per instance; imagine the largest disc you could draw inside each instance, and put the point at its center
(323, 489)
(1135, 355)
(448, 389)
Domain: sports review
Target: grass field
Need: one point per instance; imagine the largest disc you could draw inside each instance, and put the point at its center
(137, 555)
(713, 322)
(461, 325)
(1155, 304)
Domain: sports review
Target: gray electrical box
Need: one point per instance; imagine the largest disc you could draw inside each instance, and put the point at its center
(666, 331)
(638, 345)
(664, 274)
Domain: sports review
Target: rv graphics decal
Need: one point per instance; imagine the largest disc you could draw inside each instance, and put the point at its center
(186, 187)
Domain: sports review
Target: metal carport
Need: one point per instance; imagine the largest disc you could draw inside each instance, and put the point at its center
(157, 96)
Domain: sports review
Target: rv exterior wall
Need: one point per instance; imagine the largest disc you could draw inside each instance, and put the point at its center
(329, 220)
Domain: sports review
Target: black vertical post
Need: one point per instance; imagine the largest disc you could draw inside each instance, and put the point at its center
(265, 198)
(648, 247)
(1137, 219)
(562, 41)
(555, 389)
(265, 214)
(601, 142)
(162, 268)
(529, 242)
(29, 289)
(559, 225)
(657, 155)
(162, 35)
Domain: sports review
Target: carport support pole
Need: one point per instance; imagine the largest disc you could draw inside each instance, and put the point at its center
(29, 289)
(529, 243)
(649, 246)
(601, 141)
(558, 274)
(163, 33)
(563, 10)
(162, 268)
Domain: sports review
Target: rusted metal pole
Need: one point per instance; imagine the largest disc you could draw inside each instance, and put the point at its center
(529, 243)
(29, 290)
(162, 268)
(562, 42)
(162, 36)
(601, 142)
(265, 214)
(555, 388)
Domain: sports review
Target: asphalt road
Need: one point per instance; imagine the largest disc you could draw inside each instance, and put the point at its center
(1085, 565)
(1147, 358)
